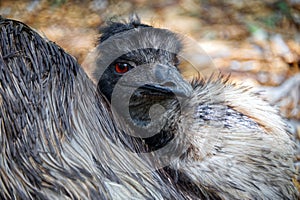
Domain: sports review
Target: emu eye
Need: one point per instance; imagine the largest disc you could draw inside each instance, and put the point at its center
(122, 68)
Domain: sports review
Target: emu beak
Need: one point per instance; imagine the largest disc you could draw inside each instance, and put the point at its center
(168, 82)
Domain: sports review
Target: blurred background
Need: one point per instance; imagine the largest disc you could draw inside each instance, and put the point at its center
(256, 41)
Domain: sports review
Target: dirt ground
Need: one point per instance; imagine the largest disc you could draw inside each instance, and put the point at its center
(257, 42)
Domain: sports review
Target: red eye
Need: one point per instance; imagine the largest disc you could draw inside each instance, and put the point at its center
(122, 67)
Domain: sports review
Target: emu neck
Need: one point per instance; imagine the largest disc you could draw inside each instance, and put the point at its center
(164, 118)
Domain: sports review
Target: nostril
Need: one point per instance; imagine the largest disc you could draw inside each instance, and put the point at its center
(169, 84)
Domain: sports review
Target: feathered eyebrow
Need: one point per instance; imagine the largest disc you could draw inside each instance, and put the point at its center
(132, 56)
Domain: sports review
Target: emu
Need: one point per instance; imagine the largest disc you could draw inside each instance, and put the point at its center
(235, 144)
(60, 137)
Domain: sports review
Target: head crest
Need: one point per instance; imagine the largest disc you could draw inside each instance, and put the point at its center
(115, 27)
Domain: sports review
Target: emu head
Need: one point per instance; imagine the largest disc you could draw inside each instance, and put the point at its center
(137, 71)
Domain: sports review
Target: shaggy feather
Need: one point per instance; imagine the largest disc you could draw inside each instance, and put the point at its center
(58, 139)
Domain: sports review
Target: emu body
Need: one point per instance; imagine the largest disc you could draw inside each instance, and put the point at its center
(58, 140)
(237, 146)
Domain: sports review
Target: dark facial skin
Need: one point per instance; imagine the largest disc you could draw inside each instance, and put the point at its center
(132, 60)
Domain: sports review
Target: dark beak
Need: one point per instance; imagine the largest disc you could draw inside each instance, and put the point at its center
(166, 91)
(168, 81)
